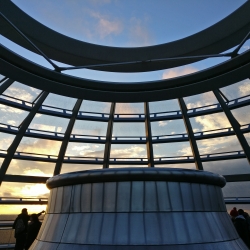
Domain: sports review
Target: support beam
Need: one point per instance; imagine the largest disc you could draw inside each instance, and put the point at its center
(25, 124)
(192, 141)
(109, 137)
(5, 85)
(149, 145)
(235, 125)
(66, 138)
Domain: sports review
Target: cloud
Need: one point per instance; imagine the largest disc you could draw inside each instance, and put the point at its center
(162, 123)
(244, 89)
(105, 26)
(138, 33)
(180, 71)
(129, 108)
(129, 152)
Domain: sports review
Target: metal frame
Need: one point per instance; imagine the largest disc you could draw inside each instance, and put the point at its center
(12, 149)
(149, 144)
(107, 149)
(77, 53)
(192, 141)
(67, 137)
(235, 125)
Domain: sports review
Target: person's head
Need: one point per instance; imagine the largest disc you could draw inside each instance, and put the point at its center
(234, 212)
(24, 211)
(241, 212)
(34, 218)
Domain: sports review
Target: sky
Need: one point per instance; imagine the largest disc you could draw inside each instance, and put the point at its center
(123, 24)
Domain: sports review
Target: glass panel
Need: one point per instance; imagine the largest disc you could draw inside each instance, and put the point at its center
(247, 136)
(172, 149)
(1, 77)
(228, 167)
(128, 151)
(169, 127)
(23, 190)
(31, 168)
(90, 128)
(49, 123)
(237, 90)
(23, 92)
(129, 129)
(236, 189)
(11, 116)
(242, 115)
(10, 212)
(218, 145)
(1, 161)
(129, 108)
(200, 100)
(245, 207)
(85, 149)
(128, 166)
(66, 168)
(98, 107)
(209, 122)
(39, 146)
(163, 106)
(182, 165)
(6, 140)
(59, 101)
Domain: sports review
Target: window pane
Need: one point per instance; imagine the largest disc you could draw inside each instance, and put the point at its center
(129, 129)
(66, 167)
(98, 107)
(169, 127)
(163, 106)
(236, 189)
(31, 168)
(209, 122)
(178, 165)
(59, 101)
(23, 92)
(39, 146)
(228, 167)
(218, 145)
(85, 149)
(172, 149)
(90, 128)
(128, 151)
(11, 116)
(129, 108)
(6, 140)
(49, 123)
(237, 90)
(242, 115)
(200, 100)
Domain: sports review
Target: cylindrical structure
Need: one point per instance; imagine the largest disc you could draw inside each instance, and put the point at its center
(137, 208)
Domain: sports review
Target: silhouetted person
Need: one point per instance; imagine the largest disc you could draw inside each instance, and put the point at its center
(233, 213)
(241, 226)
(33, 229)
(21, 225)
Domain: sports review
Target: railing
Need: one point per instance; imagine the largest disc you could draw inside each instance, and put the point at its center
(51, 110)
(18, 200)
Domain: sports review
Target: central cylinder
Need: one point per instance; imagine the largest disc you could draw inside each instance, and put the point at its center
(137, 208)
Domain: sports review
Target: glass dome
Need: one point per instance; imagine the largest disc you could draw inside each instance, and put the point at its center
(50, 129)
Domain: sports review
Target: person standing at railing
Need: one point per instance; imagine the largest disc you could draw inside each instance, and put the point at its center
(21, 226)
(33, 229)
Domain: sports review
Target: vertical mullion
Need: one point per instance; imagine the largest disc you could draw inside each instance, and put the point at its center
(109, 136)
(235, 125)
(5, 85)
(190, 133)
(66, 137)
(149, 144)
(21, 132)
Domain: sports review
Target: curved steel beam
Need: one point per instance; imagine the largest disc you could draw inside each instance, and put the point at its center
(31, 74)
(220, 37)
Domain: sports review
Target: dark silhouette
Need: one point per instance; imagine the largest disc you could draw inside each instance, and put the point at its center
(241, 226)
(233, 213)
(21, 225)
(33, 229)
